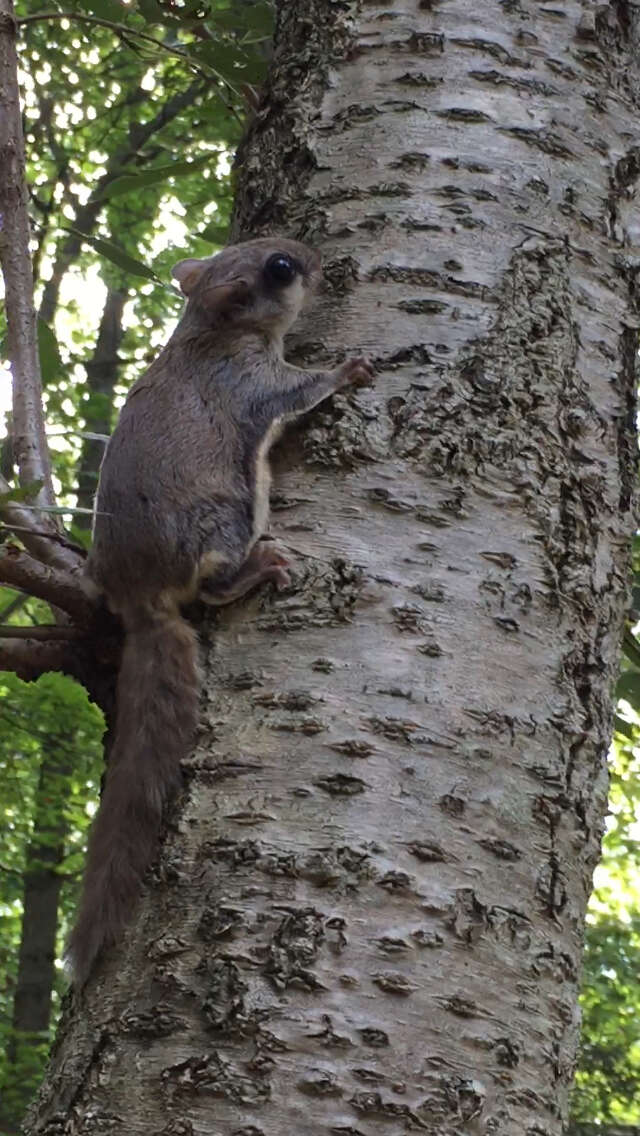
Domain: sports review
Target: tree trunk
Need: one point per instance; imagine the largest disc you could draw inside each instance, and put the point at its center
(368, 912)
(102, 375)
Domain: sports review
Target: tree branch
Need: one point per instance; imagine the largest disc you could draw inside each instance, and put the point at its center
(62, 589)
(50, 548)
(29, 658)
(29, 439)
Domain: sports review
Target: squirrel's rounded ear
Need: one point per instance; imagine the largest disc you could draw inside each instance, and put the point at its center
(188, 272)
(226, 296)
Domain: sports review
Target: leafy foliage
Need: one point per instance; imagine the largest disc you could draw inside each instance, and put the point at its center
(131, 113)
(607, 1089)
(608, 1079)
(53, 721)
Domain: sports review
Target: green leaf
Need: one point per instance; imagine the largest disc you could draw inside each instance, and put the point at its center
(195, 9)
(257, 19)
(21, 492)
(129, 183)
(631, 648)
(628, 687)
(621, 726)
(81, 536)
(225, 56)
(116, 255)
(217, 234)
(155, 13)
(104, 9)
(50, 361)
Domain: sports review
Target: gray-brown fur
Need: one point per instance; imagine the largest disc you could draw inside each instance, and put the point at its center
(182, 502)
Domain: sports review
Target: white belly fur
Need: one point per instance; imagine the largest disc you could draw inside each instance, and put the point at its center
(263, 480)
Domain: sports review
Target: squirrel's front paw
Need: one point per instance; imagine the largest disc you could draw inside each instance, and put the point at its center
(356, 372)
(271, 563)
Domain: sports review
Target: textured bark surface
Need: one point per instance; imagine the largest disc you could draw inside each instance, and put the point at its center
(27, 430)
(368, 913)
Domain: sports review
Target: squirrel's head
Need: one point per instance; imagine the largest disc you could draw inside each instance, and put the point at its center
(259, 285)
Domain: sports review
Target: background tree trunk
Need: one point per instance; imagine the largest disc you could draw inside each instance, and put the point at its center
(369, 909)
(36, 964)
(102, 375)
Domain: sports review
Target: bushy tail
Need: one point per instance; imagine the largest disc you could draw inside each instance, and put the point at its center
(157, 705)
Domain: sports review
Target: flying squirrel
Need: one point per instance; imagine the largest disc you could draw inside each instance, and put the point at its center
(183, 500)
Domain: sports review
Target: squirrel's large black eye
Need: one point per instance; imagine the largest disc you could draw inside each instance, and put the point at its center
(280, 269)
